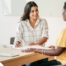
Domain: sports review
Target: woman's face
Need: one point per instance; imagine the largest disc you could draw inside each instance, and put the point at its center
(34, 13)
(64, 14)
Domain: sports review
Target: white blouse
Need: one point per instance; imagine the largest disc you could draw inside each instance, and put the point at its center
(26, 33)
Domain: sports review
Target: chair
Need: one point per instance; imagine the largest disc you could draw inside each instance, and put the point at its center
(12, 40)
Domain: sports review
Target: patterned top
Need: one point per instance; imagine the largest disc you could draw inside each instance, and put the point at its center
(26, 33)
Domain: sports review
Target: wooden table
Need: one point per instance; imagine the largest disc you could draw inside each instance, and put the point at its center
(23, 58)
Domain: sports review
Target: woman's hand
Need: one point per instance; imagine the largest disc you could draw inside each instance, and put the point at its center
(52, 46)
(38, 51)
(32, 43)
(33, 50)
(28, 50)
(18, 44)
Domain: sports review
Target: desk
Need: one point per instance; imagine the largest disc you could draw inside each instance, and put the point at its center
(23, 58)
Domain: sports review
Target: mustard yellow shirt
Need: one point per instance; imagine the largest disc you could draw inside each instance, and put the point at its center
(61, 42)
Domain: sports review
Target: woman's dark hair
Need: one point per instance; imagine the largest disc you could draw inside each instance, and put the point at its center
(27, 10)
(64, 5)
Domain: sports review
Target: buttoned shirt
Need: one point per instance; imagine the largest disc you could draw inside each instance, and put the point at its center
(26, 33)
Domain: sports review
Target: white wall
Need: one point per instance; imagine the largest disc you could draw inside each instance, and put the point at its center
(50, 7)
(8, 26)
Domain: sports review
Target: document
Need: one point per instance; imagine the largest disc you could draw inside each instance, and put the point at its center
(12, 47)
(27, 47)
(38, 47)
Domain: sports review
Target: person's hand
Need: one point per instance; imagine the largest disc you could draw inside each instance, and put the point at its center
(32, 43)
(37, 50)
(33, 50)
(27, 50)
(18, 44)
(52, 46)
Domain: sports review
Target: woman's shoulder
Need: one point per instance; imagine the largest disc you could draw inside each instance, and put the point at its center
(42, 19)
(64, 30)
(21, 23)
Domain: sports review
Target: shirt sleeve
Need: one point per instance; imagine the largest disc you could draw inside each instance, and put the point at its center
(45, 29)
(19, 31)
(61, 40)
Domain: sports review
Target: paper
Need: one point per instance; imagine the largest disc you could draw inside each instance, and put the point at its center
(38, 47)
(27, 47)
(8, 54)
(12, 46)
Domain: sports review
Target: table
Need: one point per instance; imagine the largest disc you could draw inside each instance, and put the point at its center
(23, 57)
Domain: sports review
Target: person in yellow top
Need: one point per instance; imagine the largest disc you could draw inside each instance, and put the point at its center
(60, 50)
(61, 42)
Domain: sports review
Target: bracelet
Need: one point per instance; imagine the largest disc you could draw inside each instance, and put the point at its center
(42, 51)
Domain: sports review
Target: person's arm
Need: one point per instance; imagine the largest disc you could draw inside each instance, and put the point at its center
(18, 37)
(44, 33)
(41, 41)
(53, 52)
(17, 44)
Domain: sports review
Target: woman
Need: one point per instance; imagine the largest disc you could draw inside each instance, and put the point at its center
(60, 51)
(31, 30)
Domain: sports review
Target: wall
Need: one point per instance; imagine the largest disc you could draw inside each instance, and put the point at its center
(8, 26)
(50, 7)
